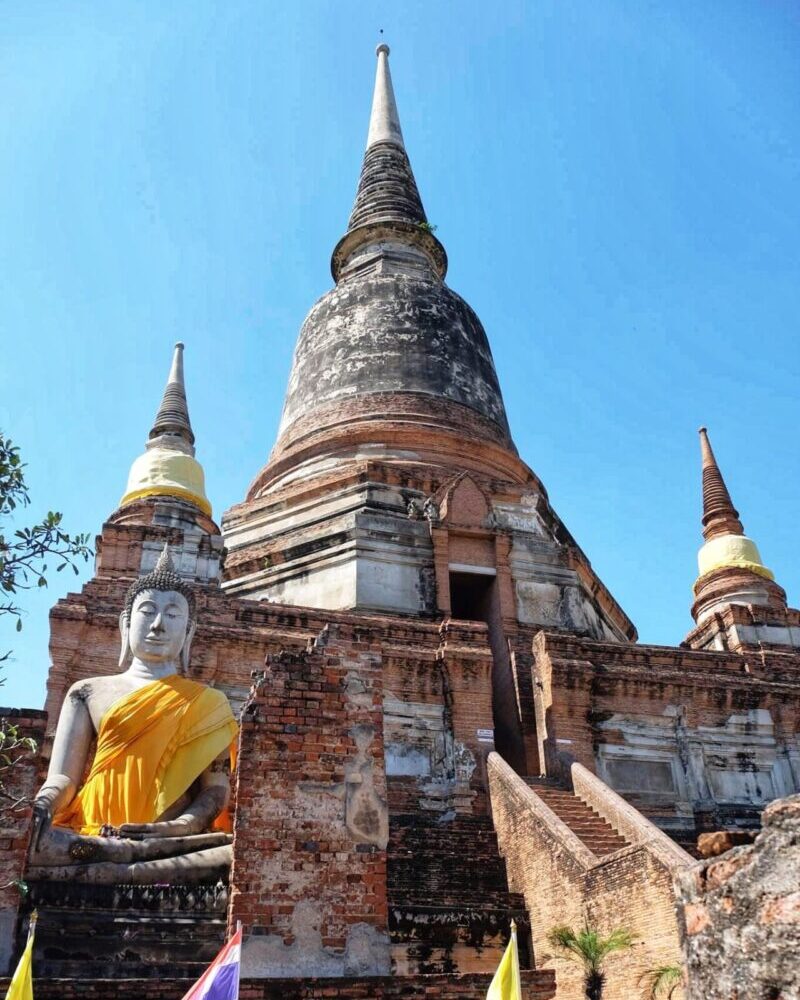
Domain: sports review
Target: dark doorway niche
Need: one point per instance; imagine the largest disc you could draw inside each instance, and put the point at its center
(470, 596)
(474, 597)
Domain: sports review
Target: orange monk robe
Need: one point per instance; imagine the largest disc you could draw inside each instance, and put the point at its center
(151, 746)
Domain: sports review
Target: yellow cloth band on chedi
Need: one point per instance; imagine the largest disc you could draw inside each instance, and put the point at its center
(163, 472)
(731, 551)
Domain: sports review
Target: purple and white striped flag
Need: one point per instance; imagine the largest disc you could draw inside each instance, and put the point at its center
(220, 981)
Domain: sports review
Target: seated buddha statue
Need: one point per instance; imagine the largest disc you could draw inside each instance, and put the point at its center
(152, 805)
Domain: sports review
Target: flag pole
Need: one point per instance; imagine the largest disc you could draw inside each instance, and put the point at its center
(505, 984)
(21, 985)
(238, 978)
(515, 955)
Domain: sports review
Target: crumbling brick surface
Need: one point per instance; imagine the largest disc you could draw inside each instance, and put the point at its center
(595, 699)
(428, 693)
(89, 931)
(446, 915)
(311, 828)
(19, 782)
(423, 666)
(536, 985)
(740, 915)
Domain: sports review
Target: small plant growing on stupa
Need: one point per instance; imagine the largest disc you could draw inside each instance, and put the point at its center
(589, 949)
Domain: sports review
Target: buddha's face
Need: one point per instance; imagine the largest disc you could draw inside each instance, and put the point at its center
(159, 625)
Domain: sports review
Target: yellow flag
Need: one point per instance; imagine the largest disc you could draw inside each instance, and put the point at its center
(506, 982)
(21, 985)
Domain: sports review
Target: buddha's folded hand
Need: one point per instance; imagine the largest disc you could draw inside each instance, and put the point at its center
(184, 826)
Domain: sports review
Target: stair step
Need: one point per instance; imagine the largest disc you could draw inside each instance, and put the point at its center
(586, 823)
(453, 865)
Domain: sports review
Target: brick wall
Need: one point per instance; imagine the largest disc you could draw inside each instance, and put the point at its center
(466, 662)
(450, 908)
(311, 824)
(633, 890)
(589, 695)
(520, 641)
(547, 871)
(626, 820)
(20, 781)
(539, 985)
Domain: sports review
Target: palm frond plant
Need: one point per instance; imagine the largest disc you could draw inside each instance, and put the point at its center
(662, 982)
(590, 949)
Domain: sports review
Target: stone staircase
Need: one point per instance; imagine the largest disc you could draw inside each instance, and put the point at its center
(577, 850)
(595, 833)
(449, 904)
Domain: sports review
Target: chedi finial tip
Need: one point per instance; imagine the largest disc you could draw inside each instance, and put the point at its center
(382, 47)
(173, 414)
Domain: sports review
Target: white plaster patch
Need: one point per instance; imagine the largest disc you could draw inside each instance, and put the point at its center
(739, 761)
(366, 951)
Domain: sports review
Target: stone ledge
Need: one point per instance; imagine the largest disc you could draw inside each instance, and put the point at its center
(536, 985)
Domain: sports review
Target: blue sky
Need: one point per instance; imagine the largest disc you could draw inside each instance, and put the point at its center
(616, 184)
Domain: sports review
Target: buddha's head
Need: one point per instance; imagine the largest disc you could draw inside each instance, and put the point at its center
(158, 622)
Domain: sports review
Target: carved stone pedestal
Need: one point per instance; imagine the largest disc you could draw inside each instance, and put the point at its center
(126, 931)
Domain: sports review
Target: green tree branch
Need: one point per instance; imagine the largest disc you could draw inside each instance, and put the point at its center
(24, 552)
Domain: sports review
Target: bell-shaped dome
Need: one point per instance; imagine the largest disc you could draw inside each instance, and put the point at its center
(393, 334)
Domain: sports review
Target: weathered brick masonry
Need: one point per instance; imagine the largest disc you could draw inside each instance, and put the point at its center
(311, 816)
(539, 985)
(572, 873)
(21, 776)
(676, 715)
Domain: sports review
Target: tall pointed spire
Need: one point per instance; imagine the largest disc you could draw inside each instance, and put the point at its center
(729, 563)
(387, 190)
(173, 414)
(168, 467)
(720, 517)
(384, 122)
(390, 337)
